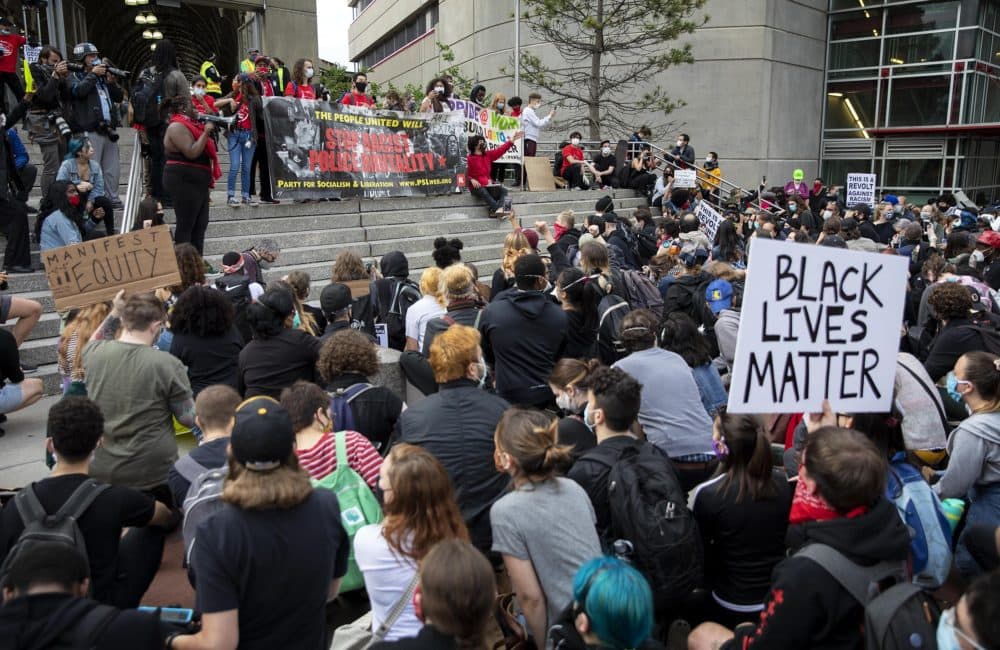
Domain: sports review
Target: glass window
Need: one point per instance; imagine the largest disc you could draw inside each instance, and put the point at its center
(919, 101)
(835, 171)
(919, 48)
(917, 172)
(856, 24)
(854, 54)
(850, 105)
(922, 17)
(836, 5)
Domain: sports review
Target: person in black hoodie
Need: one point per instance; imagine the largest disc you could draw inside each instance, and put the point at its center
(524, 334)
(46, 606)
(395, 271)
(839, 501)
(951, 303)
(580, 297)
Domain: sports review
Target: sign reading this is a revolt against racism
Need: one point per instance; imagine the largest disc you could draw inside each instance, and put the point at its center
(709, 218)
(860, 189)
(817, 323)
(91, 271)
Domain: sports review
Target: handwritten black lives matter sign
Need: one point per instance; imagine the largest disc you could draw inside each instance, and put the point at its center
(93, 271)
(817, 323)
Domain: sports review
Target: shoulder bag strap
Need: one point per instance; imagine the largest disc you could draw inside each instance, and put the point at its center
(340, 440)
(479, 314)
(856, 579)
(356, 390)
(82, 497)
(189, 468)
(397, 610)
(932, 394)
(28, 506)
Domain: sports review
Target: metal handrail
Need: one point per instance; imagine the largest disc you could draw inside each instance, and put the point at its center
(134, 190)
(660, 154)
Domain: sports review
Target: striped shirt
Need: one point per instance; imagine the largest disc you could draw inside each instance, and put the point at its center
(321, 459)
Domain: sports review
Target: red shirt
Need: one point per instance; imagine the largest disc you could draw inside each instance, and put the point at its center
(304, 92)
(357, 99)
(321, 459)
(204, 104)
(243, 114)
(570, 150)
(9, 45)
(479, 166)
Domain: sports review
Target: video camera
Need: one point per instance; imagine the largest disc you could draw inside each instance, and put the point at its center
(224, 122)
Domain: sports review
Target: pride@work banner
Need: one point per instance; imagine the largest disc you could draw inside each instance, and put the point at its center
(495, 127)
(324, 150)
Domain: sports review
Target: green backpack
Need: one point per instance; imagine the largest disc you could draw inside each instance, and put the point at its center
(358, 506)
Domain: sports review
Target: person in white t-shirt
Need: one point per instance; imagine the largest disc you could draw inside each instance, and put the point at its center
(419, 511)
(424, 310)
(532, 124)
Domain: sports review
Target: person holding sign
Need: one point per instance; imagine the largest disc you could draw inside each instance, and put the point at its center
(191, 170)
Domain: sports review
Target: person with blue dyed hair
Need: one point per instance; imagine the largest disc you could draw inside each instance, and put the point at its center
(612, 608)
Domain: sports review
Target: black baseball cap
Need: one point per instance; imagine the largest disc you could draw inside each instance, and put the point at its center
(605, 204)
(335, 297)
(263, 438)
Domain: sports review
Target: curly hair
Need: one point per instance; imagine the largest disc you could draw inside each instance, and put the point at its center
(514, 246)
(347, 351)
(75, 424)
(447, 252)
(203, 312)
(616, 393)
(950, 300)
(302, 399)
(299, 281)
(191, 266)
(348, 266)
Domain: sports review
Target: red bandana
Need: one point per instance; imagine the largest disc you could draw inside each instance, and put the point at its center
(196, 129)
(806, 507)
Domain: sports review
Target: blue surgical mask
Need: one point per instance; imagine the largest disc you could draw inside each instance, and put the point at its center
(586, 418)
(296, 321)
(951, 383)
(793, 207)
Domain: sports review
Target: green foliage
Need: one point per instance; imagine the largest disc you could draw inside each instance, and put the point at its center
(612, 49)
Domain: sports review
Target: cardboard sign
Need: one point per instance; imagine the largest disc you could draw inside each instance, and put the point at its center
(687, 178)
(860, 189)
(539, 172)
(709, 218)
(817, 323)
(94, 271)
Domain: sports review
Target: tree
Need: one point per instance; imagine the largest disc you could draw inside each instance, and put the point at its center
(611, 49)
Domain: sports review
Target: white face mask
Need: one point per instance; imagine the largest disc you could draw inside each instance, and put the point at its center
(575, 142)
(309, 73)
(977, 257)
(827, 214)
(708, 159)
(680, 144)
(606, 151)
(198, 92)
(439, 90)
(500, 106)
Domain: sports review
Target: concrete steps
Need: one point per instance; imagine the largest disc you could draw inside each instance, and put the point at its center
(311, 235)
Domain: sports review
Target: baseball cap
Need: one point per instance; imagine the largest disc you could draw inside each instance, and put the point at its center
(262, 438)
(990, 238)
(532, 238)
(719, 295)
(798, 175)
(604, 204)
(335, 297)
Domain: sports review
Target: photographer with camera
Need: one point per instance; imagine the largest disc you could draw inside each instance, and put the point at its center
(94, 94)
(86, 174)
(44, 121)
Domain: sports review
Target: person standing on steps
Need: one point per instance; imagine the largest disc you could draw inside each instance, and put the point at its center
(267, 86)
(190, 172)
(172, 83)
(533, 124)
(50, 74)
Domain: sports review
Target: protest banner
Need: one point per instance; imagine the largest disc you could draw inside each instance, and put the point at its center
(93, 271)
(326, 150)
(709, 218)
(860, 189)
(685, 178)
(495, 127)
(817, 323)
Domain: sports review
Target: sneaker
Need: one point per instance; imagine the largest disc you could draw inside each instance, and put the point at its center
(270, 201)
(233, 202)
(499, 213)
(28, 369)
(251, 201)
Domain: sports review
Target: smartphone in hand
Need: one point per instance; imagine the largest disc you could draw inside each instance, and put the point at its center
(508, 204)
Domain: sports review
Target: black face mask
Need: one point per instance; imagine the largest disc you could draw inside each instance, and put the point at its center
(360, 85)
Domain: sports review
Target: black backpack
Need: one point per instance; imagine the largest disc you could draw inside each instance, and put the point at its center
(146, 97)
(646, 246)
(898, 617)
(390, 307)
(236, 287)
(78, 623)
(649, 510)
(41, 527)
(611, 312)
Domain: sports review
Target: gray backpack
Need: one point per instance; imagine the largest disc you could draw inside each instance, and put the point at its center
(41, 527)
(203, 499)
(898, 617)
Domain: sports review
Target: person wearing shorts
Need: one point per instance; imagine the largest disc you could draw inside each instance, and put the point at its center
(16, 391)
(27, 312)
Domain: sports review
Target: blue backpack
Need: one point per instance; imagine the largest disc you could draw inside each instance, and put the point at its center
(340, 406)
(930, 533)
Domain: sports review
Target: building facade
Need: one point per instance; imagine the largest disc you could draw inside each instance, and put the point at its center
(906, 89)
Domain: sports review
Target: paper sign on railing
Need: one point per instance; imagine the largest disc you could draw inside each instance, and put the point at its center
(685, 178)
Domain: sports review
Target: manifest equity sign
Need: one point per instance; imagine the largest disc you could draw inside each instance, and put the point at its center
(94, 271)
(860, 189)
(325, 150)
(817, 323)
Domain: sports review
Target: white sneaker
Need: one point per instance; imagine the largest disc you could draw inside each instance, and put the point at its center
(233, 202)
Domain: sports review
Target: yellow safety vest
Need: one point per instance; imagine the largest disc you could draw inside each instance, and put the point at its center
(281, 79)
(211, 87)
(29, 81)
(246, 65)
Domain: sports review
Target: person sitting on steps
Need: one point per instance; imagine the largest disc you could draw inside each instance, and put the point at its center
(479, 172)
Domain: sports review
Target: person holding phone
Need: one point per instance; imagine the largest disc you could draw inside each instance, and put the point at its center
(436, 101)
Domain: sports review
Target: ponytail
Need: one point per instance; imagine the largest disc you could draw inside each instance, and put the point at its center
(748, 463)
(531, 438)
